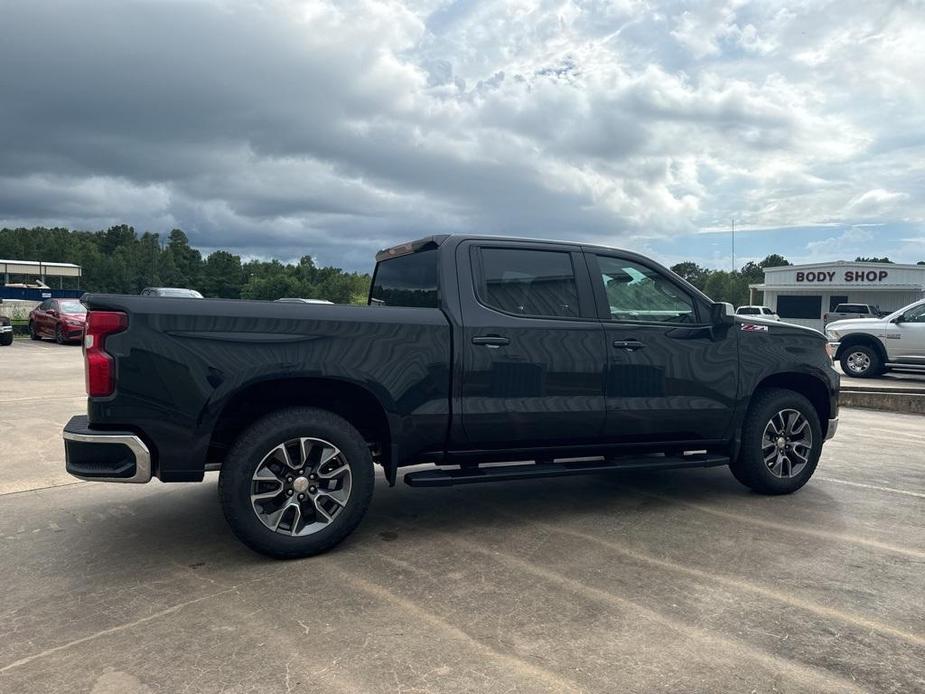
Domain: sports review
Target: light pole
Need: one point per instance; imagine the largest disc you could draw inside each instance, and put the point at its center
(733, 244)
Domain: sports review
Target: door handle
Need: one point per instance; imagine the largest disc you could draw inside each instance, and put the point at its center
(492, 341)
(628, 345)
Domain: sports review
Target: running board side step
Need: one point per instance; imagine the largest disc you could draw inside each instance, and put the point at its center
(917, 368)
(507, 473)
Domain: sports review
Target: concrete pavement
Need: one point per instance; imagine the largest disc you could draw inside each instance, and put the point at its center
(673, 581)
(41, 387)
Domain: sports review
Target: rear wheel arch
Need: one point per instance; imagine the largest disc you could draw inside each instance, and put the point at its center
(352, 402)
(296, 482)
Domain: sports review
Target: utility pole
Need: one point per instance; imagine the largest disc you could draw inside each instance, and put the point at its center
(733, 244)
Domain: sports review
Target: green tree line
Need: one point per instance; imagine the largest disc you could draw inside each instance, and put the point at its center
(726, 285)
(119, 260)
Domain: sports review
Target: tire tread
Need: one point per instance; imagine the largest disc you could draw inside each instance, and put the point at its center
(748, 468)
(239, 462)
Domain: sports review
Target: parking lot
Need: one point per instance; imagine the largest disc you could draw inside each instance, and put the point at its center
(679, 581)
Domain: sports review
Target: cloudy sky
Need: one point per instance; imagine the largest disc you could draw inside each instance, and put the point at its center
(276, 128)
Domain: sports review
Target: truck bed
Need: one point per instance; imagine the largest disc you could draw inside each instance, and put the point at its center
(181, 362)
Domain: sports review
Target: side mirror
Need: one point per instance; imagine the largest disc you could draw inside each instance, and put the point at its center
(899, 319)
(722, 313)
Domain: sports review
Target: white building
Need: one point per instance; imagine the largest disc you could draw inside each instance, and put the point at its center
(803, 294)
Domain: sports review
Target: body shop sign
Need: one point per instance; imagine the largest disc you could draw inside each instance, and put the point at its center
(870, 276)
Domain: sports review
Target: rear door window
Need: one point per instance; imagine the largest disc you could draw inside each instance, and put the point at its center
(525, 282)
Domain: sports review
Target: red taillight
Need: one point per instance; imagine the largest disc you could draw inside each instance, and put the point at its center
(99, 365)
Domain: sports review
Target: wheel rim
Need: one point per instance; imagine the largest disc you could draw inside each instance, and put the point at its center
(301, 486)
(858, 362)
(59, 336)
(787, 443)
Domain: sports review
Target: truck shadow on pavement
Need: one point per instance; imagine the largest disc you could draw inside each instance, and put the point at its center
(187, 521)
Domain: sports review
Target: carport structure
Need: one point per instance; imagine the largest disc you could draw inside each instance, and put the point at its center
(38, 269)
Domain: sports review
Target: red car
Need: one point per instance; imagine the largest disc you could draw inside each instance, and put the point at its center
(62, 319)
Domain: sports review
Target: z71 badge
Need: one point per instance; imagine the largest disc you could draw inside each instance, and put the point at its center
(754, 328)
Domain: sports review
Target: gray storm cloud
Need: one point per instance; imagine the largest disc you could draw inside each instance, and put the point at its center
(274, 127)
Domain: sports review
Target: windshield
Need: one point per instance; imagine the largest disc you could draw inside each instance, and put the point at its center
(72, 307)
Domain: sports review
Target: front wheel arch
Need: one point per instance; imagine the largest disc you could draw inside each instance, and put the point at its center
(810, 387)
(862, 341)
(749, 466)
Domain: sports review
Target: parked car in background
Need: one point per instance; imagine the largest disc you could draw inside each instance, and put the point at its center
(62, 319)
(866, 348)
(848, 311)
(761, 311)
(6, 331)
(479, 350)
(176, 292)
(293, 300)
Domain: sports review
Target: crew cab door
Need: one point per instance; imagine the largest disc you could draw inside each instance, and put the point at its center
(671, 374)
(532, 348)
(908, 343)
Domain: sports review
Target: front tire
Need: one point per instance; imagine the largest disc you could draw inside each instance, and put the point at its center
(33, 333)
(296, 483)
(59, 335)
(781, 442)
(6, 339)
(861, 361)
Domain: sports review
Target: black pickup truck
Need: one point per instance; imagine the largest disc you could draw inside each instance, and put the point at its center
(557, 358)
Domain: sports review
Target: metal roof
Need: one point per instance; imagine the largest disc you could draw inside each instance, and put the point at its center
(845, 263)
(812, 288)
(39, 267)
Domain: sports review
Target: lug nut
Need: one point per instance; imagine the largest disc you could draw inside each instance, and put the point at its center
(289, 493)
(313, 489)
(289, 479)
(311, 476)
(301, 496)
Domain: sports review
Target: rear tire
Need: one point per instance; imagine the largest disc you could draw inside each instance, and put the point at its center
(781, 442)
(264, 482)
(861, 361)
(33, 334)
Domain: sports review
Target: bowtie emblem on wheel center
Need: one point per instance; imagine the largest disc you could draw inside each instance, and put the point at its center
(781, 442)
(300, 484)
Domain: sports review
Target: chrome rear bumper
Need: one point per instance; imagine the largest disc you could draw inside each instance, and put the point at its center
(105, 456)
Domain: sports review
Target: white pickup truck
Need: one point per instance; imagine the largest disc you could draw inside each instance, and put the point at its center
(868, 347)
(846, 311)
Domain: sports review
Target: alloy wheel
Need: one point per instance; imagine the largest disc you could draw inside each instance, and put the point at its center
(787, 443)
(858, 362)
(301, 486)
